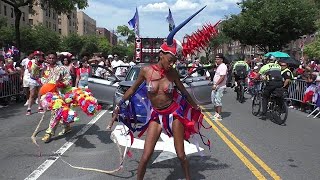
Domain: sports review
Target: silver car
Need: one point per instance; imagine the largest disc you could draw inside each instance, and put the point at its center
(111, 89)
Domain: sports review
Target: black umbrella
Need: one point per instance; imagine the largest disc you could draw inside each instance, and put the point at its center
(290, 61)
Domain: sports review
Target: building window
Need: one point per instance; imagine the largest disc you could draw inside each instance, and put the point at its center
(31, 22)
(5, 10)
(69, 22)
(23, 17)
(49, 13)
(46, 12)
(59, 31)
(59, 21)
(12, 12)
(30, 10)
(49, 24)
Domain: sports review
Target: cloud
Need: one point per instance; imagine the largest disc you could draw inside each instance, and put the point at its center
(179, 5)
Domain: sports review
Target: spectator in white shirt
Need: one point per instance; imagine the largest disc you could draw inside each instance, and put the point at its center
(116, 63)
(25, 76)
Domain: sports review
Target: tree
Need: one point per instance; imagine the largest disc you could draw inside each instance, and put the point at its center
(104, 46)
(61, 6)
(126, 32)
(90, 44)
(44, 39)
(72, 43)
(313, 49)
(271, 24)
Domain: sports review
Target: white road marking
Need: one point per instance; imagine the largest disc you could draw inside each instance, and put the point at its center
(52, 159)
(166, 145)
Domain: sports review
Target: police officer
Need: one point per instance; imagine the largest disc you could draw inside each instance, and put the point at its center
(271, 72)
(240, 71)
(286, 74)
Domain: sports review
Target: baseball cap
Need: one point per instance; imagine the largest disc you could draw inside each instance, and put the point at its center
(110, 56)
(220, 55)
(256, 67)
(37, 53)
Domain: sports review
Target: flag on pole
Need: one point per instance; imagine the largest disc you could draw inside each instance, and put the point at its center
(170, 21)
(134, 23)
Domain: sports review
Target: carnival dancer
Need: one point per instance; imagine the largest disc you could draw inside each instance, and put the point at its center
(167, 113)
(56, 78)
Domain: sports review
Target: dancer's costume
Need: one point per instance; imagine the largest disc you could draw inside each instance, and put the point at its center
(59, 77)
(139, 108)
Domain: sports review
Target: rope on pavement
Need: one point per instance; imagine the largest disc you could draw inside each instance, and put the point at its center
(33, 137)
(122, 157)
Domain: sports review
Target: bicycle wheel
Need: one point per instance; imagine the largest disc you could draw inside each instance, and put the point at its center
(241, 99)
(280, 112)
(256, 104)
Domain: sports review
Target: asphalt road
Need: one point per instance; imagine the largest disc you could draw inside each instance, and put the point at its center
(243, 147)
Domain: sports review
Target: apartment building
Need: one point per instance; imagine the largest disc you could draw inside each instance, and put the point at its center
(48, 18)
(7, 12)
(103, 32)
(68, 23)
(86, 25)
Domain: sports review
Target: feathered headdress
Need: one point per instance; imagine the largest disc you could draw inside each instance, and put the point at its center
(195, 42)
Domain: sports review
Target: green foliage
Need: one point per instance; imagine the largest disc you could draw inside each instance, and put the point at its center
(271, 24)
(64, 6)
(104, 46)
(72, 43)
(7, 36)
(90, 44)
(124, 31)
(45, 39)
(313, 49)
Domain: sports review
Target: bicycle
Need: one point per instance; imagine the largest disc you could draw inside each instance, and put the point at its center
(277, 105)
(241, 90)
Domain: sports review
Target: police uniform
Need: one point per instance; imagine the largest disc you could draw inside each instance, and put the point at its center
(286, 74)
(272, 71)
(240, 70)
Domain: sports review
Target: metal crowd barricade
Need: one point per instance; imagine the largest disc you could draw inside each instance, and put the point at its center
(10, 85)
(296, 90)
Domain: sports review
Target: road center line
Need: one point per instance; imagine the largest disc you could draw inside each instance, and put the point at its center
(240, 155)
(248, 151)
(52, 159)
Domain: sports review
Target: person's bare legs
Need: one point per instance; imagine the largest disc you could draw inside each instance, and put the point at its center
(114, 117)
(218, 109)
(178, 135)
(153, 134)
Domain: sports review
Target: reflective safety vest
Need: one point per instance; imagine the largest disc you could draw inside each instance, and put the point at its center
(272, 71)
(287, 70)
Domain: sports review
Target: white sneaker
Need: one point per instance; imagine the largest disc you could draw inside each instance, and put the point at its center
(26, 104)
(217, 117)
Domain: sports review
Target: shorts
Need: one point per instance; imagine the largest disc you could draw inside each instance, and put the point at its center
(25, 83)
(216, 96)
(33, 84)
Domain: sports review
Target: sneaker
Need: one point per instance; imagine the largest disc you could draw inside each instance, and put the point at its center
(28, 112)
(46, 138)
(217, 117)
(26, 104)
(41, 111)
(65, 130)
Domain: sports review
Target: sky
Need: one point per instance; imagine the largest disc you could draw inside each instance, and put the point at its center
(153, 13)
